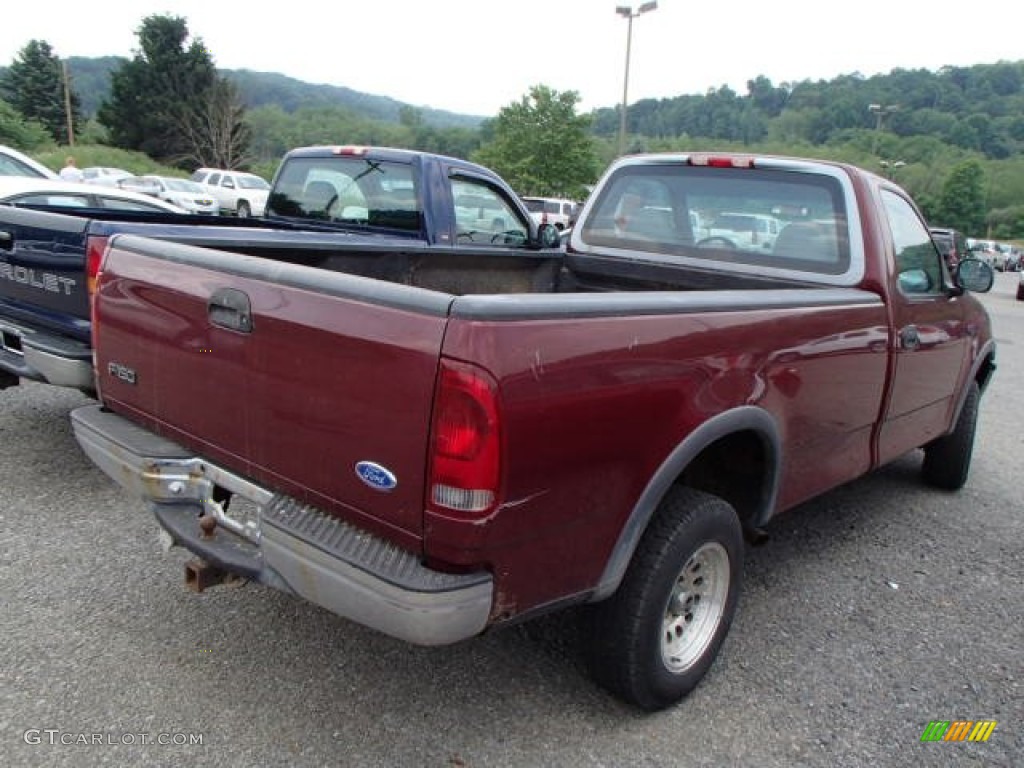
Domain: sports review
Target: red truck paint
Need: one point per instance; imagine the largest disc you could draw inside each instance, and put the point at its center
(643, 371)
(49, 257)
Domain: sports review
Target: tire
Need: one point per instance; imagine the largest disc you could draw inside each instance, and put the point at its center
(947, 460)
(243, 211)
(1020, 291)
(646, 643)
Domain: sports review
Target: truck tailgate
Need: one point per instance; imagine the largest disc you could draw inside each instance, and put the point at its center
(293, 376)
(42, 270)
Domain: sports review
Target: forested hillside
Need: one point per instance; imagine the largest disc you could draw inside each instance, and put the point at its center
(90, 78)
(979, 108)
(928, 130)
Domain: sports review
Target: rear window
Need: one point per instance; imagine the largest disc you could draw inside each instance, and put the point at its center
(347, 190)
(252, 182)
(784, 222)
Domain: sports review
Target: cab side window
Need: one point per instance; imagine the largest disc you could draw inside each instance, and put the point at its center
(484, 217)
(918, 262)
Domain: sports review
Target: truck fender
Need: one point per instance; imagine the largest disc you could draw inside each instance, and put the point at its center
(982, 368)
(743, 419)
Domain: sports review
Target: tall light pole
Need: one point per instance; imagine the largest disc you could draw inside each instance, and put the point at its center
(627, 12)
(880, 111)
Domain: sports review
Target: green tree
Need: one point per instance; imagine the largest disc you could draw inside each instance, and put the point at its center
(17, 132)
(962, 202)
(169, 102)
(34, 85)
(540, 145)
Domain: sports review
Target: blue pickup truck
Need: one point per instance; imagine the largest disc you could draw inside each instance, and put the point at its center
(328, 205)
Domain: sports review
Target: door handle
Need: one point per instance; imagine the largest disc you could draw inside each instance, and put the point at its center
(230, 308)
(909, 337)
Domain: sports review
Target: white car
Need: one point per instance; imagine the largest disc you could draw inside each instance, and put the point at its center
(193, 197)
(32, 190)
(239, 193)
(14, 163)
(108, 177)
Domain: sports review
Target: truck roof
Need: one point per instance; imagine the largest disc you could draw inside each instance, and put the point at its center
(394, 154)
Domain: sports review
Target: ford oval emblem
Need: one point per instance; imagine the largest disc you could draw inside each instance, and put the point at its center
(376, 476)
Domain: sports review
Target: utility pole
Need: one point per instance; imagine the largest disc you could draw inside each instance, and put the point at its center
(67, 104)
(880, 111)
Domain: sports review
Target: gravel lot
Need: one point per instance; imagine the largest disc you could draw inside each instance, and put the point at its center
(870, 612)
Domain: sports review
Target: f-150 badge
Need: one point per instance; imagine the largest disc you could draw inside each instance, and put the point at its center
(122, 372)
(376, 476)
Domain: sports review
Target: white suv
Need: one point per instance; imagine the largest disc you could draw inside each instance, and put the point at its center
(552, 210)
(239, 193)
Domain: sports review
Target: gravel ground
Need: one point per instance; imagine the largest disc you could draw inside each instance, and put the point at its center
(870, 612)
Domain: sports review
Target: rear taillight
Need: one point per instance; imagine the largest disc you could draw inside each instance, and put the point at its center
(95, 247)
(465, 443)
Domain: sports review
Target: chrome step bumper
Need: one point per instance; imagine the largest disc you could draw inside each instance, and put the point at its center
(290, 545)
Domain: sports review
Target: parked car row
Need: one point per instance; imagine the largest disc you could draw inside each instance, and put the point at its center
(33, 190)
(1001, 256)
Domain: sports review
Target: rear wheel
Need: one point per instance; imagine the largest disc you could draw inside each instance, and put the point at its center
(243, 209)
(947, 460)
(654, 640)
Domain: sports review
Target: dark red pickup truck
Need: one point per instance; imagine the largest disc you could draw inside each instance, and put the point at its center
(435, 445)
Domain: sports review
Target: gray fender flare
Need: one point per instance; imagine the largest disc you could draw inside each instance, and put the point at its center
(744, 419)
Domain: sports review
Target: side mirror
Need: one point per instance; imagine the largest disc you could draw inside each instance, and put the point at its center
(975, 275)
(548, 236)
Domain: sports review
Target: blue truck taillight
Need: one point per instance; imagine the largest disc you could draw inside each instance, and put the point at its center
(95, 247)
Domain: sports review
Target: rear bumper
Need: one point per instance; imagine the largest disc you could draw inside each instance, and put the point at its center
(47, 357)
(287, 545)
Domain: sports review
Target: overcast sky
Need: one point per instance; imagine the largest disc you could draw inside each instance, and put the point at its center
(475, 56)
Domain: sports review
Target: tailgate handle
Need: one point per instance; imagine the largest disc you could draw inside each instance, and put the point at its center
(230, 308)
(6, 240)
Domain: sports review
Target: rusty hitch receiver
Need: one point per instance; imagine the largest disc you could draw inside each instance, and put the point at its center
(201, 575)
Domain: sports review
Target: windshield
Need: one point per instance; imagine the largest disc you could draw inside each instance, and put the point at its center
(182, 185)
